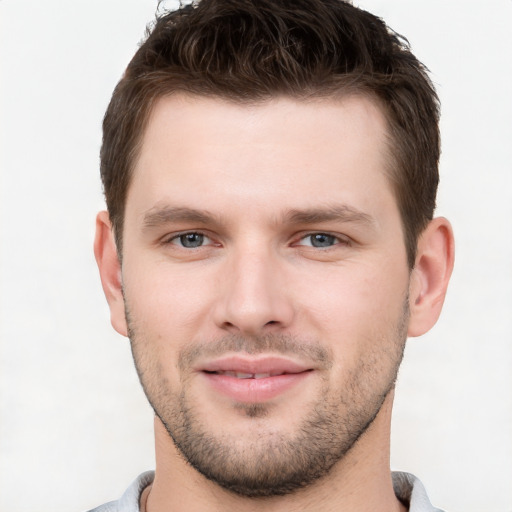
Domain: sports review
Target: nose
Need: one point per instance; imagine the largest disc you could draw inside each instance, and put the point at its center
(253, 296)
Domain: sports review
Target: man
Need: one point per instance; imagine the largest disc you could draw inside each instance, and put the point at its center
(270, 171)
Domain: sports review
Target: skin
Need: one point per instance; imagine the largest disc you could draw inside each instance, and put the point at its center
(256, 182)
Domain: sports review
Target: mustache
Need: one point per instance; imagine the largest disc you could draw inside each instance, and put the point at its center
(279, 344)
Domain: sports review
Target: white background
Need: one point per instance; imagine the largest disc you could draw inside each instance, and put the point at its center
(74, 426)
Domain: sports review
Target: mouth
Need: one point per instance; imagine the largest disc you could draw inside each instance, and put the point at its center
(244, 375)
(247, 380)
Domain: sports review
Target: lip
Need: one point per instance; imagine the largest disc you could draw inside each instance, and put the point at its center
(254, 380)
(265, 364)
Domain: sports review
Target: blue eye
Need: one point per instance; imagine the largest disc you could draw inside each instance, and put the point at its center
(190, 240)
(320, 240)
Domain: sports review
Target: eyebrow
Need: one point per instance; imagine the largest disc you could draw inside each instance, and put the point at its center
(157, 216)
(340, 213)
(162, 215)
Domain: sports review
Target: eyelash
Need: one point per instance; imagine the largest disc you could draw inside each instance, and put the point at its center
(337, 240)
(178, 236)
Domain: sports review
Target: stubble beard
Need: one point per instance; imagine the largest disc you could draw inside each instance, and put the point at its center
(272, 463)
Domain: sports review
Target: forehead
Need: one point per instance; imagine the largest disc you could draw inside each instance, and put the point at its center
(208, 119)
(198, 149)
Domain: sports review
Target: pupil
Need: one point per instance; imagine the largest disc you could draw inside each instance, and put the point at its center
(191, 240)
(322, 240)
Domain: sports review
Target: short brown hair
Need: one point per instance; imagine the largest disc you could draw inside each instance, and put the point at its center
(253, 50)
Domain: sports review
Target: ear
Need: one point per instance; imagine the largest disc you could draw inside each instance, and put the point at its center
(430, 276)
(110, 271)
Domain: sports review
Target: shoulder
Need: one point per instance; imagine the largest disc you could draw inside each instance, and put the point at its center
(410, 491)
(129, 501)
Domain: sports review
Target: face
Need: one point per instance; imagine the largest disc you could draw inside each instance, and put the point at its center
(265, 282)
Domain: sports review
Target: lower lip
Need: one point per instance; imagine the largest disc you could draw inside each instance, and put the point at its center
(255, 390)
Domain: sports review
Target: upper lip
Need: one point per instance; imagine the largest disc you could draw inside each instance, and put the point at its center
(273, 365)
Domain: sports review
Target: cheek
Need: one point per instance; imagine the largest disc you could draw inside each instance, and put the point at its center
(354, 290)
(166, 303)
(355, 308)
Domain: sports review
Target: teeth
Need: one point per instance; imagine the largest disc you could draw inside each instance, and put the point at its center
(242, 375)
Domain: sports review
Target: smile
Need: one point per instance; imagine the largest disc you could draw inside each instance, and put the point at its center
(244, 375)
(254, 380)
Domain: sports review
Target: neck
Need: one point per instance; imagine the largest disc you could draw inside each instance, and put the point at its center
(360, 482)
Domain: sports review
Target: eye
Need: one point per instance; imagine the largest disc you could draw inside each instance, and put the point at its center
(320, 240)
(190, 240)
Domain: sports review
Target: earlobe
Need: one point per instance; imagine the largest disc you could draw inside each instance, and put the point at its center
(430, 276)
(110, 271)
